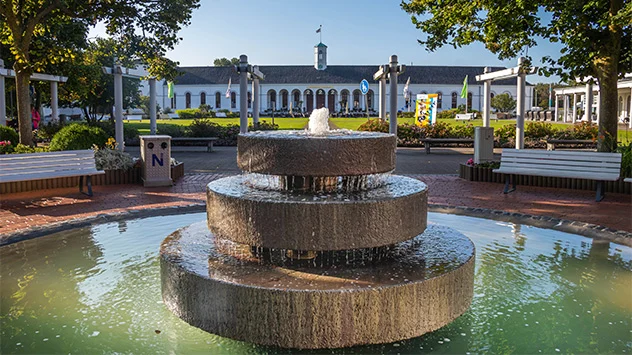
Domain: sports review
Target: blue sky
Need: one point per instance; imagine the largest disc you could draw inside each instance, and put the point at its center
(284, 32)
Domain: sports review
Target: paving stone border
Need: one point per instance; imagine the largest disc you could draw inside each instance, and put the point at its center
(575, 227)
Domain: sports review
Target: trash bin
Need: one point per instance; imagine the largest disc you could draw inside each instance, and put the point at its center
(483, 144)
(155, 154)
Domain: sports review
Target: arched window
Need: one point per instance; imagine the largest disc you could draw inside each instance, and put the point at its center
(369, 99)
(233, 100)
(344, 98)
(272, 100)
(296, 98)
(218, 100)
(454, 96)
(491, 95)
(469, 100)
(356, 99)
(202, 98)
(439, 99)
(284, 99)
(187, 100)
(174, 101)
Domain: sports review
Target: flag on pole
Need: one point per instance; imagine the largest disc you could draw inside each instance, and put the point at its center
(464, 90)
(406, 92)
(170, 89)
(319, 28)
(228, 90)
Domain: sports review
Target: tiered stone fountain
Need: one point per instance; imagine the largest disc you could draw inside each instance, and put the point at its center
(318, 246)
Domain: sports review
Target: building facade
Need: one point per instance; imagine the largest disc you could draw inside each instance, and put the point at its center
(304, 88)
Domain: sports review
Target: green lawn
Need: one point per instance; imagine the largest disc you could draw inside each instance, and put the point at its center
(625, 135)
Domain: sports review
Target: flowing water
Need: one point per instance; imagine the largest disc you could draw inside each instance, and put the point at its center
(97, 290)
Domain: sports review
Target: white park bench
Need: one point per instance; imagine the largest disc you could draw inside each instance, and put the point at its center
(563, 164)
(38, 166)
(464, 116)
(133, 117)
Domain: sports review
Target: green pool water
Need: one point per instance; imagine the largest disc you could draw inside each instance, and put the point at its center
(97, 290)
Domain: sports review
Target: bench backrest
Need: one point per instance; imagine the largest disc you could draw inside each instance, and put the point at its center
(595, 165)
(34, 166)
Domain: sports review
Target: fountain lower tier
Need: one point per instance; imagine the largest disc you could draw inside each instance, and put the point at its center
(425, 286)
(394, 212)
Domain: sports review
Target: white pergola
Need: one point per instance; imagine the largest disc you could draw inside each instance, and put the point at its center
(10, 73)
(119, 72)
(516, 72)
(624, 88)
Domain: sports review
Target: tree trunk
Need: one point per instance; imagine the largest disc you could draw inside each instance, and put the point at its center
(25, 124)
(608, 104)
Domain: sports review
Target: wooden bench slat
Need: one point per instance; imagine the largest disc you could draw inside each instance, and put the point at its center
(561, 154)
(61, 164)
(563, 169)
(48, 155)
(558, 173)
(45, 169)
(597, 164)
(47, 175)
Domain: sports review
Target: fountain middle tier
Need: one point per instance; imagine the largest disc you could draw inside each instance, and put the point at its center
(393, 212)
(427, 284)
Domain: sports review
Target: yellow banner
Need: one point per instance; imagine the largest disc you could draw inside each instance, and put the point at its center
(425, 110)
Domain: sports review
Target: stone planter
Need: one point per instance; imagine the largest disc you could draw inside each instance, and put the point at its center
(471, 173)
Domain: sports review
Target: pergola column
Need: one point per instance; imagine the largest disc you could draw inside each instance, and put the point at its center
(255, 101)
(152, 106)
(243, 93)
(629, 111)
(3, 104)
(588, 102)
(598, 105)
(53, 101)
(393, 94)
(574, 108)
(487, 87)
(566, 108)
(520, 107)
(557, 104)
(382, 103)
(118, 106)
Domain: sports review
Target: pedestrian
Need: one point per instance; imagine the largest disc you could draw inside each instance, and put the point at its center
(35, 117)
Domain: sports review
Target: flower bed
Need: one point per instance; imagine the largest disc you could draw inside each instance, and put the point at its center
(471, 172)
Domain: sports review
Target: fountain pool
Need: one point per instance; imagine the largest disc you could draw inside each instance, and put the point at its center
(97, 289)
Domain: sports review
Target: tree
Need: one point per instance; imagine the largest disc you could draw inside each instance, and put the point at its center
(225, 62)
(503, 103)
(542, 95)
(28, 27)
(596, 34)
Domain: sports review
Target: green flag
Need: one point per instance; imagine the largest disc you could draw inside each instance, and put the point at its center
(170, 89)
(464, 90)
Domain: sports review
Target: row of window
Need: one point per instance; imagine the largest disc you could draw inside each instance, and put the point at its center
(296, 96)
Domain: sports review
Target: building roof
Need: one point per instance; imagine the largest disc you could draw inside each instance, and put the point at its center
(336, 74)
(321, 44)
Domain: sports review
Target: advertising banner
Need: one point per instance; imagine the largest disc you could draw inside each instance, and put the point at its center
(425, 112)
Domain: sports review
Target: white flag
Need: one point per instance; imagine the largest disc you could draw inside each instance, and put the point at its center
(228, 90)
(406, 92)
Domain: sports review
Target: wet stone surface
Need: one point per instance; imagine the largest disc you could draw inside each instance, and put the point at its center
(437, 251)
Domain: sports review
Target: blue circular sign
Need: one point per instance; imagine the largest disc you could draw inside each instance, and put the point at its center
(364, 86)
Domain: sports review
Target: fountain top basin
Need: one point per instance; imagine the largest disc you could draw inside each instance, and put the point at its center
(299, 153)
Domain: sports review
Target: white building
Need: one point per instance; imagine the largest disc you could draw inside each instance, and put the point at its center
(336, 87)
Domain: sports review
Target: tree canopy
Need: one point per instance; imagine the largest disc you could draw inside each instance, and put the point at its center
(225, 62)
(42, 33)
(503, 103)
(596, 36)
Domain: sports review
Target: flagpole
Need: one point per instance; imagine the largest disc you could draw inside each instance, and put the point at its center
(321, 33)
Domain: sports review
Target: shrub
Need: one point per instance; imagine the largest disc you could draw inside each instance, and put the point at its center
(9, 134)
(112, 159)
(503, 102)
(626, 159)
(6, 147)
(505, 133)
(203, 127)
(539, 130)
(23, 149)
(263, 126)
(190, 113)
(47, 131)
(78, 136)
(451, 113)
(406, 114)
(171, 130)
(228, 135)
(374, 125)
(462, 131)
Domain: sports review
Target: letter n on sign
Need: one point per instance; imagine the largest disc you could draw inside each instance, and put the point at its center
(154, 160)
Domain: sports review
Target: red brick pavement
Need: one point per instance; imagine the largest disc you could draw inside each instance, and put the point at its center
(38, 208)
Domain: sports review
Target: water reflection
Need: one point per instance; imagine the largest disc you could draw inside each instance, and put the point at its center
(98, 291)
